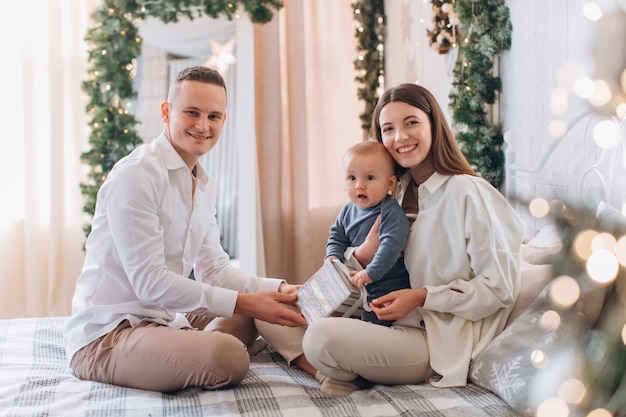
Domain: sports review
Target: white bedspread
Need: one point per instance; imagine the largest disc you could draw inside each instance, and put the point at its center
(34, 381)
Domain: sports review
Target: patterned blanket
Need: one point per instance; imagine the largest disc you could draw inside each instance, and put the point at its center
(34, 381)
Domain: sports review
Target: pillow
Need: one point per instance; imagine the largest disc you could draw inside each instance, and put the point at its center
(540, 250)
(538, 255)
(610, 219)
(511, 365)
(534, 279)
(547, 237)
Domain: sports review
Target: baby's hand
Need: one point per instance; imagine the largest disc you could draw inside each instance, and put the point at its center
(360, 278)
(330, 259)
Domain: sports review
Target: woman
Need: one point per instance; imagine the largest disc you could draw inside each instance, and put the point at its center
(462, 255)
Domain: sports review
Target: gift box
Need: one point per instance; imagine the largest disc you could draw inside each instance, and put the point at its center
(331, 293)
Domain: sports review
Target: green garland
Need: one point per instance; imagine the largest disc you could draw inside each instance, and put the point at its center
(370, 64)
(487, 32)
(113, 46)
(485, 29)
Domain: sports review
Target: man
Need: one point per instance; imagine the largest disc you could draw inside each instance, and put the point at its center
(137, 320)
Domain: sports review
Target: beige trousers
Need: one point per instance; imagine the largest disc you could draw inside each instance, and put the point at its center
(344, 349)
(155, 357)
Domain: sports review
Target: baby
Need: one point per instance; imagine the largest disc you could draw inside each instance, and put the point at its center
(370, 183)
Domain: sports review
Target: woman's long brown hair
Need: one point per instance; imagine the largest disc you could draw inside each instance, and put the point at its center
(445, 154)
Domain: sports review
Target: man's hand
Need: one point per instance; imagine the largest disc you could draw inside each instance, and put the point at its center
(285, 288)
(397, 304)
(266, 306)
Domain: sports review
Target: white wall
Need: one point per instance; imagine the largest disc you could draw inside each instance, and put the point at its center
(152, 88)
(548, 38)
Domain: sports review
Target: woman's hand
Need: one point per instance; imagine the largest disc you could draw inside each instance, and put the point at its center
(365, 253)
(398, 304)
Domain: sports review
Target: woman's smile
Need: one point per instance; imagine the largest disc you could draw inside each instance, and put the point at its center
(406, 148)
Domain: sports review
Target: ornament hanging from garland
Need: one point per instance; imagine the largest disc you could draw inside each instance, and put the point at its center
(445, 33)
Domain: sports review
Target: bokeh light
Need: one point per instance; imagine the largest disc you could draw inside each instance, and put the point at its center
(584, 87)
(539, 207)
(582, 243)
(572, 391)
(552, 407)
(601, 93)
(620, 250)
(600, 412)
(602, 266)
(539, 358)
(559, 101)
(550, 320)
(606, 134)
(603, 241)
(592, 11)
(565, 291)
(557, 128)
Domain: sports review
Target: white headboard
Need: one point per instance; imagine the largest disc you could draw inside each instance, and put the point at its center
(572, 168)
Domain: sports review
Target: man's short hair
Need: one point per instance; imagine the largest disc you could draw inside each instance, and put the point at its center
(197, 73)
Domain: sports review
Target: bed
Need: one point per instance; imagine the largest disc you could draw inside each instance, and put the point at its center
(34, 381)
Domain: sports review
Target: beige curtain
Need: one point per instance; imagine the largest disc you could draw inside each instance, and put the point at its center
(44, 129)
(307, 116)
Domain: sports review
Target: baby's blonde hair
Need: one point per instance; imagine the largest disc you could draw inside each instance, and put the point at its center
(371, 147)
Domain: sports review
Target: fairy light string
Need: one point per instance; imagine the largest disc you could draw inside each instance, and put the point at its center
(370, 34)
